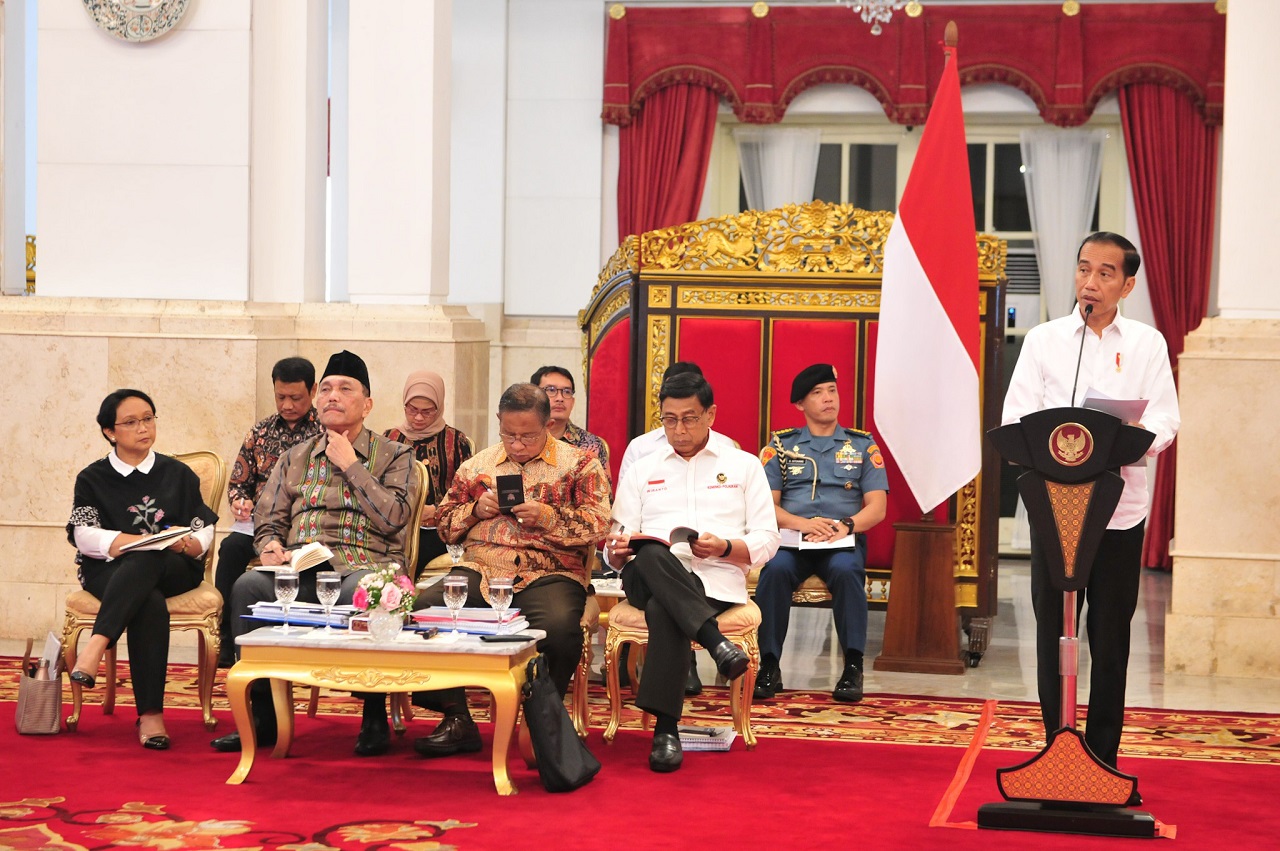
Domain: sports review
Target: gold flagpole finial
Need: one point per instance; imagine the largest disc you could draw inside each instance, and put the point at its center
(952, 34)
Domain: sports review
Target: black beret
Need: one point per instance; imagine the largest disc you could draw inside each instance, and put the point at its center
(809, 378)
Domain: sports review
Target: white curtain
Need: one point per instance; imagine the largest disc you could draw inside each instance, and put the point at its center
(1062, 172)
(779, 164)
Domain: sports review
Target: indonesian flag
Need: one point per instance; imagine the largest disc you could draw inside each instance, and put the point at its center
(926, 394)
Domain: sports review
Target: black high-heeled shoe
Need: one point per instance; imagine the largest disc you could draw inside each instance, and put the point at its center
(153, 743)
(83, 680)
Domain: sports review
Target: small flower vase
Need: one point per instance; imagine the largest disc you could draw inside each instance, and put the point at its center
(384, 625)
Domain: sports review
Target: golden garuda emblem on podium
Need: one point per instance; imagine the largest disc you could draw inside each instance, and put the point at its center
(1070, 444)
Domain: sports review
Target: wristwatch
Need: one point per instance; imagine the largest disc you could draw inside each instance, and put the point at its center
(848, 524)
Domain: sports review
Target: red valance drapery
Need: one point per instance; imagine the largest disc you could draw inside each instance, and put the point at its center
(1065, 64)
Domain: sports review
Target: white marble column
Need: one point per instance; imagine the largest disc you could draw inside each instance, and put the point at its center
(1223, 618)
(288, 150)
(395, 172)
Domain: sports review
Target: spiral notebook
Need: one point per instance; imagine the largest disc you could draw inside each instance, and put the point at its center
(706, 738)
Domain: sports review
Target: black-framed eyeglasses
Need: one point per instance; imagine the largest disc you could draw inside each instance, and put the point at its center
(565, 392)
(688, 421)
(135, 424)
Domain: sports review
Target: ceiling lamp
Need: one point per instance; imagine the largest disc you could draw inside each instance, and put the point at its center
(877, 12)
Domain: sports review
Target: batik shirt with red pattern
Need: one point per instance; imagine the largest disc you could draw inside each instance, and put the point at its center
(269, 438)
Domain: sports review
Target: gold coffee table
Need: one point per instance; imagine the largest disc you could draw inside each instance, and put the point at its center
(363, 665)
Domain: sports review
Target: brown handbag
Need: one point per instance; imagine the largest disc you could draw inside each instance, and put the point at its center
(39, 701)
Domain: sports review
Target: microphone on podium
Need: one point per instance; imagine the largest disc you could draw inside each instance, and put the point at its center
(1088, 308)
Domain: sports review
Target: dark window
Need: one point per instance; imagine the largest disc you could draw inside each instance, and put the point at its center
(978, 182)
(1009, 202)
(873, 176)
(826, 185)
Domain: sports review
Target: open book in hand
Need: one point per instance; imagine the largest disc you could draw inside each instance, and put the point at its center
(679, 535)
(305, 557)
(158, 541)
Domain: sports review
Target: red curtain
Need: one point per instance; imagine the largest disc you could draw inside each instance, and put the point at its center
(1173, 161)
(663, 157)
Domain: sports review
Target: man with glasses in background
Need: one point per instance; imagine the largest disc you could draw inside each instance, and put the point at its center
(557, 383)
(540, 544)
(722, 493)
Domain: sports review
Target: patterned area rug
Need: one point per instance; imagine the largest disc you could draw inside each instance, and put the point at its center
(889, 718)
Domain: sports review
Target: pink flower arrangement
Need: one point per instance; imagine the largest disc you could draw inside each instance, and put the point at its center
(386, 588)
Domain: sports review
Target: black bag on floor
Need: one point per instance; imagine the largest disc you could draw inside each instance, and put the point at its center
(564, 763)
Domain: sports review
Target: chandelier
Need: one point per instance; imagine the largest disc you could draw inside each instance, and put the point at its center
(877, 12)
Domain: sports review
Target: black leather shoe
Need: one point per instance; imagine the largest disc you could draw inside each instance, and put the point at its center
(1135, 799)
(731, 662)
(849, 689)
(374, 738)
(692, 685)
(230, 743)
(455, 734)
(82, 679)
(667, 754)
(768, 684)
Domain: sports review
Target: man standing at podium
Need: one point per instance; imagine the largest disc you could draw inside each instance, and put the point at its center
(1124, 359)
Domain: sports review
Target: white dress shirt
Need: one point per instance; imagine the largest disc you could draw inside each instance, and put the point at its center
(96, 543)
(721, 490)
(1129, 361)
(652, 441)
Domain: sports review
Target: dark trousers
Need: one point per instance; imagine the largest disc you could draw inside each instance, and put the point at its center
(257, 586)
(234, 554)
(675, 608)
(1112, 594)
(843, 571)
(429, 546)
(550, 603)
(132, 590)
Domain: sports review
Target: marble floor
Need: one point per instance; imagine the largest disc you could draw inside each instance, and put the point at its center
(1007, 671)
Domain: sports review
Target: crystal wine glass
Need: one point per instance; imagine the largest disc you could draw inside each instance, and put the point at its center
(286, 593)
(455, 596)
(455, 552)
(500, 593)
(328, 589)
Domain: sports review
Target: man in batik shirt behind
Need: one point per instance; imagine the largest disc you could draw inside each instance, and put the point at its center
(542, 544)
(295, 421)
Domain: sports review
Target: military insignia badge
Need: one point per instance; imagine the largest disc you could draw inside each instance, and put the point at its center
(848, 486)
(721, 478)
(877, 460)
(767, 454)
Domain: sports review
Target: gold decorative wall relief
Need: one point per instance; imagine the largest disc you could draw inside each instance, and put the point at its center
(867, 301)
(658, 358)
(659, 296)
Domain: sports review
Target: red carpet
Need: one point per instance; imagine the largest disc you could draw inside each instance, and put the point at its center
(97, 789)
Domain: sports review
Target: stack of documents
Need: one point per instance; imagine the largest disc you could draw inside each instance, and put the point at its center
(706, 738)
(473, 621)
(305, 614)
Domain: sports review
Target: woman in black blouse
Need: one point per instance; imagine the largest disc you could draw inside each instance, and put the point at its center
(120, 499)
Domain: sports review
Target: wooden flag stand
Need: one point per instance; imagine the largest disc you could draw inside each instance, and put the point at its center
(921, 634)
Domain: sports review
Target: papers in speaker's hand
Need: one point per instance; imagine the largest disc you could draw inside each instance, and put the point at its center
(304, 557)
(1126, 410)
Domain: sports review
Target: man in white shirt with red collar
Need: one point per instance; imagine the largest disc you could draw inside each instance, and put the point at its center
(723, 494)
(1124, 359)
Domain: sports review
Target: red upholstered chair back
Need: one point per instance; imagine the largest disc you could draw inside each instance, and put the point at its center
(753, 299)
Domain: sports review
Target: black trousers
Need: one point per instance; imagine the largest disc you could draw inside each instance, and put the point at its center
(1112, 594)
(256, 586)
(675, 608)
(132, 590)
(429, 546)
(551, 603)
(234, 554)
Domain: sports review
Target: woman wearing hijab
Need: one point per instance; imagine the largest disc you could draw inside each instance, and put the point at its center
(119, 500)
(442, 448)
